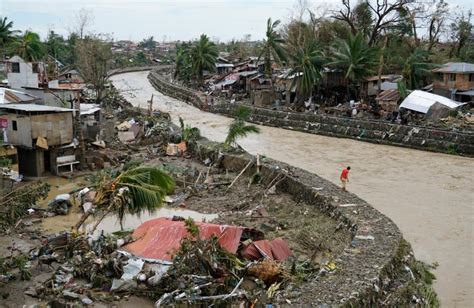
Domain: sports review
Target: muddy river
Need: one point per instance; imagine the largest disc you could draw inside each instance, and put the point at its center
(430, 196)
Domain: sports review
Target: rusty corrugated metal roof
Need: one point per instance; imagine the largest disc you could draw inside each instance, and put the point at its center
(276, 249)
(389, 95)
(160, 238)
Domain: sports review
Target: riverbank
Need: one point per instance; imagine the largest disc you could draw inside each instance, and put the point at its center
(436, 215)
(451, 141)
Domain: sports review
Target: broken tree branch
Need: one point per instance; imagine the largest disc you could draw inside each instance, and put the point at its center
(238, 176)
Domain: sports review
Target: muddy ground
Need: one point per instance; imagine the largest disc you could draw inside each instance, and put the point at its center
(310, 234)
(429, 196)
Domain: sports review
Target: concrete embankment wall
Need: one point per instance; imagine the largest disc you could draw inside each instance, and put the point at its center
(424, 138)
(130, 69)
(366, 262)
(371, 258)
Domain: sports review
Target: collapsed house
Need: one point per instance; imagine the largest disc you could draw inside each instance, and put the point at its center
(425, 103)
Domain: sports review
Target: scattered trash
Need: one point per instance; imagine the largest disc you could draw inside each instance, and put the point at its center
(348, 205)
(132, 269)
(364, 237)
(61, 204)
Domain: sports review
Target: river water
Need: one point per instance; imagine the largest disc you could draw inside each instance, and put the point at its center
(430, 196)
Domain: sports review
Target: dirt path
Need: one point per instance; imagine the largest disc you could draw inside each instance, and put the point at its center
(430, 196)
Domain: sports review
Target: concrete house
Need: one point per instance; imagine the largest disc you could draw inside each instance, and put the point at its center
(31, 78)
(22, 74)
(455, 80)
(38, 132)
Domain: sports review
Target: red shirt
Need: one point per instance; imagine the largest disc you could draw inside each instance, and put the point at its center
(344, 173)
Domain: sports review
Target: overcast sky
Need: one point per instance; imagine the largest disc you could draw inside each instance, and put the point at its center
(170, 19)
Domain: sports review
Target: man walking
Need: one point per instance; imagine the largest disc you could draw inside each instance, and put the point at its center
(345, 177)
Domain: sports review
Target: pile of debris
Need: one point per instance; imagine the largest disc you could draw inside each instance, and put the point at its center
(20, 202)
(193, 262)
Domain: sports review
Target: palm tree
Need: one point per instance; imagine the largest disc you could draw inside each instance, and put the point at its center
(416, 68)
(29, 47)
(272, 47)
(203, 57)
(238, 128)
(183, 62)
(356, 58)
(7, 35)
(307, 63)
(133, 191)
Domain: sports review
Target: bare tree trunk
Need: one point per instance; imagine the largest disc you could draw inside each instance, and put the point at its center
(79, 132)
(82, 220)
(100, 219)
(381, 64)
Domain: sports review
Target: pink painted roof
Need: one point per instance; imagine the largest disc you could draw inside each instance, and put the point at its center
(276, 249)
(160, 238)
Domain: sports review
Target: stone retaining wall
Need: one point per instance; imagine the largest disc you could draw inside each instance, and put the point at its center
(364, 265)
(418, 137)
(365, 268)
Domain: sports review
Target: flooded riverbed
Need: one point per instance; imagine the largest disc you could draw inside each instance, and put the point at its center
(430, 196)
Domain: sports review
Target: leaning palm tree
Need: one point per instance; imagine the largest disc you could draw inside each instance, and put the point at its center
(29, 47)
(132, 191)
(272, 47)
(238, 128)
(203, 57)
(306, 66)
(356, 58)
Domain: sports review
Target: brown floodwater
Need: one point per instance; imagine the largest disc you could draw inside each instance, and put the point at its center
(430, 196)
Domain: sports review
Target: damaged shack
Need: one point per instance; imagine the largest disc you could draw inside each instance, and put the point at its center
(38, 131)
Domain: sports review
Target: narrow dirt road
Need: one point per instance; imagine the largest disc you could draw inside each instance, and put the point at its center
(430, 196)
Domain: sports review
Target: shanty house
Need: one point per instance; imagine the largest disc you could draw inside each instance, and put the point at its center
(90, 119)
(388, 100)
(455, 80)
(370, 85)
(38, 131)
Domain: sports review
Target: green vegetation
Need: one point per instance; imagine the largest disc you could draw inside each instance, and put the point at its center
(131, 191)
(15, 204)
(203, 57)
(188, 133)
(238, 128)
(356, 58)
(272, 47)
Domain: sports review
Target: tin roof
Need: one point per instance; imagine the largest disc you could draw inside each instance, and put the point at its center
(9, 96)
(158, 239)
(455, 67)
(389, 95)
(276, 249)
(34, 108)
(87, 109)
(421, 101)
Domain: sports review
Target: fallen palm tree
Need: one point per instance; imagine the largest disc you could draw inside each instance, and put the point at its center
(131, 191)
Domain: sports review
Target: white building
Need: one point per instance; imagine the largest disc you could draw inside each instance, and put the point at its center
(22, 74)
